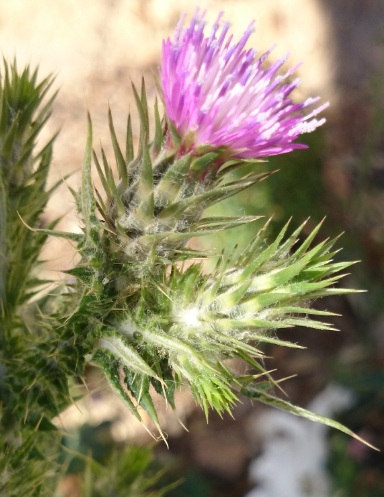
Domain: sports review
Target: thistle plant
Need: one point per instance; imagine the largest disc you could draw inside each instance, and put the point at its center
(32, 384)
(142, 303)
(150, 314)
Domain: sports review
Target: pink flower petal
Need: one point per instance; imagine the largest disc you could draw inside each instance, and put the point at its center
(218, 93)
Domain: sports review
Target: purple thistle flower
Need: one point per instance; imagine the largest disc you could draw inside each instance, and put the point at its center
(217, 93)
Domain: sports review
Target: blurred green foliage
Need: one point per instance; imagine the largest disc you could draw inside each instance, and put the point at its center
(109, 470)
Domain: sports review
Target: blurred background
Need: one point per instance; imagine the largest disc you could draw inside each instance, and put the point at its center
(96, 48)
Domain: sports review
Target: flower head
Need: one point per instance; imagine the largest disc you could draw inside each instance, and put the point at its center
(217, 93)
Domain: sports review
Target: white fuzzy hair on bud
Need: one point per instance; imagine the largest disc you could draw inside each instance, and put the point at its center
(189, 316)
